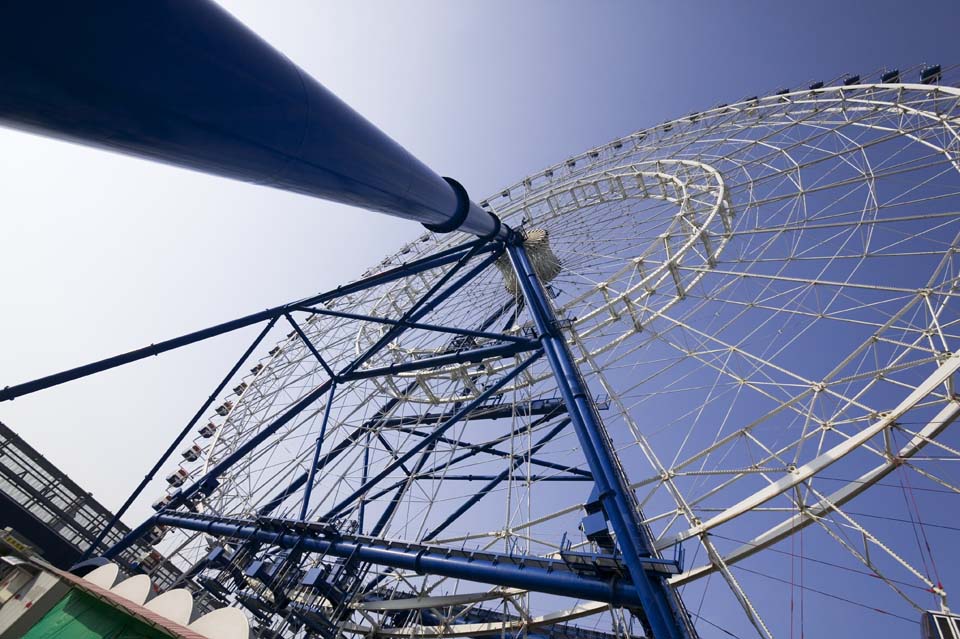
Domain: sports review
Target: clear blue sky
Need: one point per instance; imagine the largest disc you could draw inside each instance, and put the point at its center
(102, 253)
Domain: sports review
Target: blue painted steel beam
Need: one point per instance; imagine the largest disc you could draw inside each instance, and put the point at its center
(316, 453)
(402, 488)
(391, 451)
(295, 485)
(428, 327)
(490, 449)
(363, 480)
(660, 603)
(419, 473)
(471, 450)
(461, 357)
(504, 570)
(177, 440)
(313, 349)
(526, 408)
(437, 432)
(381, 419)
(438, 293)
(435, 296)
(494, 482)
(431, 262)
(187, 84)
(518, 478)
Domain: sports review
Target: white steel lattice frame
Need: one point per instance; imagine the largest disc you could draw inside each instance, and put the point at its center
(765, 291)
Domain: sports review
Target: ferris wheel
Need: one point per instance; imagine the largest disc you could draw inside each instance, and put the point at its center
(760, 298)
(705, 386)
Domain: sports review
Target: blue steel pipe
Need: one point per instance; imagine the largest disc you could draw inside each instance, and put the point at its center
(433, 261)
(316, 452)
(177, 440)
(502, 573)
(459, 357)
(419, 309)
(660, 602)
(433, 436)
(185, 83)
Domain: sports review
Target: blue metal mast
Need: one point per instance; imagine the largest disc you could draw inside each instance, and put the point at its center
(664, 610)
(185, 83)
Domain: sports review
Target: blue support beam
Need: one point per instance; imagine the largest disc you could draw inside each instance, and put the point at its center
(533, 573)
(449, 256)
(381, 419)
(363, 480)
(438, 470)
(476, 449)
(313, 349)
(419, 325)
(471, 501)
(437, 432)
(462, 357)
(316, 453)
(177, 440)
(187, 84)
(527, 408)
(436, 295)
(517, 478)
(401, 488)
(660, 603)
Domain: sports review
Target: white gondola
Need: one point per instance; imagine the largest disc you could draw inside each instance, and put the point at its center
(193, 453)
(224, 408)
(937, 624)
(208, 429)
(239, 388)
(177, 477)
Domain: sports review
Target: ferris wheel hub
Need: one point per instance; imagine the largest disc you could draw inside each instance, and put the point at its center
(545, 262)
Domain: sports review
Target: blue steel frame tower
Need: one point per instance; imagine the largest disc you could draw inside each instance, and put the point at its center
(185, 83)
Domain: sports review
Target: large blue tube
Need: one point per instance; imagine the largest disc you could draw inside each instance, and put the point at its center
(508, 571)
(185, 83)
(664, 610)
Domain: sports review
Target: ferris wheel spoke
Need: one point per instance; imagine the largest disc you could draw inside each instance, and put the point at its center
(812, 512)
(863, 557)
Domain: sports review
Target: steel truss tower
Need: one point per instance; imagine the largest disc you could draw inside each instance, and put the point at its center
(633, 576)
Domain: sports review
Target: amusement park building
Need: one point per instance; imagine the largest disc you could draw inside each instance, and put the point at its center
(50, 512)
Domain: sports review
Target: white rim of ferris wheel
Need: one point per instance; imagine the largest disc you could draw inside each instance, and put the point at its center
(714, 231)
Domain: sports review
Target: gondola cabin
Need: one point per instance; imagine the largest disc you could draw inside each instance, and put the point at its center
(940, 625)
(193, 453)
(177, 477)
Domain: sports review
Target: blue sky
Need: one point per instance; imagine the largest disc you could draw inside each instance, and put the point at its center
(102, 253)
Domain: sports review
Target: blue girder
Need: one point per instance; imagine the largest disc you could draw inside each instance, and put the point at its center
(605, 580)
(661, 604)
(185, 83)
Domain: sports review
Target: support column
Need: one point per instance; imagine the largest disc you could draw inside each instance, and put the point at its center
(660, 603)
